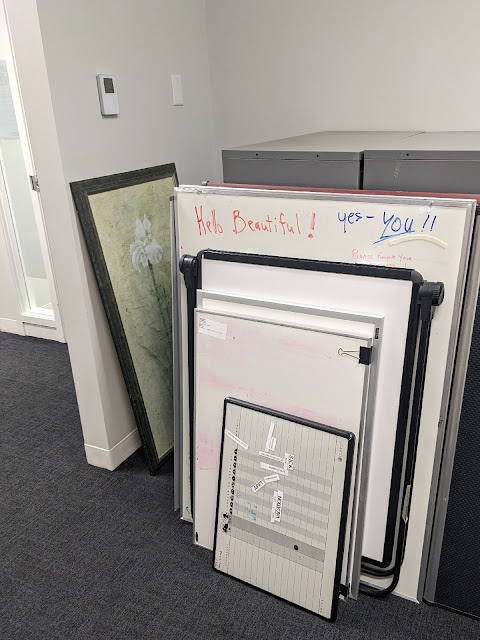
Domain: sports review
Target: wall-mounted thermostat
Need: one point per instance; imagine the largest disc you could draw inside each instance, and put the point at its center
(107, 92)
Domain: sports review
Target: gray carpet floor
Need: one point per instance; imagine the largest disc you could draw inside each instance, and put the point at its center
(87, 553)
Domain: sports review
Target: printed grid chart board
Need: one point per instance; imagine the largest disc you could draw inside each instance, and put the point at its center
(282, 503)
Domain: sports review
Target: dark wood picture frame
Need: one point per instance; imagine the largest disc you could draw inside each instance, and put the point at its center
(82, 192)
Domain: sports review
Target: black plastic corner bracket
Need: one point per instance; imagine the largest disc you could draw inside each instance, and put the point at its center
(430, 296)
(189, 267)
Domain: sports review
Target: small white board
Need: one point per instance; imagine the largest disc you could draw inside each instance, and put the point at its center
(287, 537)
(331, 321)
(327, 387)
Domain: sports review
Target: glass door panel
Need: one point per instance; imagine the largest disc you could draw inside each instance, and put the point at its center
(15, 191)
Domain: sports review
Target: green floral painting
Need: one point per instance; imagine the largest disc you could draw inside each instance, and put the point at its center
(127, 227)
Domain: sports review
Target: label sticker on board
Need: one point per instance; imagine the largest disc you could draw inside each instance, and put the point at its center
(289, 459)
(278, 506)
(273, 443)
(273, 469)
(269, 437)
(258, 485)
(212, 328)
(236, 439)
(274, 504)
(272, 478)
(271, 456)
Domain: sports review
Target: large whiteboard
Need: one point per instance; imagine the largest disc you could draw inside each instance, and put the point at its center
(384, 296)
(285, 536)
(431, 235)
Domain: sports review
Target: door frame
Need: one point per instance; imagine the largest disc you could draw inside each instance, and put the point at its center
(33, 322)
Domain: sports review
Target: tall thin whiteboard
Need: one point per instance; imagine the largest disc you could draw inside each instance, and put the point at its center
(283, 534)
(253, 361)
(432, 235)
(369, 327)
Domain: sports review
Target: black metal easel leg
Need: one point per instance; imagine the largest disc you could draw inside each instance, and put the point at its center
(189, 267)
(431, 295)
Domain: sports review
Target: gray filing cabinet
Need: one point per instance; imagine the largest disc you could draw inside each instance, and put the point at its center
(325, 159)
(447, 161)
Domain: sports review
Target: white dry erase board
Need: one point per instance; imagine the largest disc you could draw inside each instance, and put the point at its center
(285, 535)
(330, 321)
(234, 356)
(431, 235)
(392, 292)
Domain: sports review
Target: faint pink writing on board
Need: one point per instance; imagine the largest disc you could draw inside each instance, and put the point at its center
(207, 453)
(384, 258)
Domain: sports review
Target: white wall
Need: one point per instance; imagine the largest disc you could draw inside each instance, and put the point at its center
(282, 68)
(26, 279)
(141, 43)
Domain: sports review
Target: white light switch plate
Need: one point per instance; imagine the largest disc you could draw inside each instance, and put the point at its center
(177, 90)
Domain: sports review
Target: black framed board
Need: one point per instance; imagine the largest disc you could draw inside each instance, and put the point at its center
(126, 223)
(280, 531)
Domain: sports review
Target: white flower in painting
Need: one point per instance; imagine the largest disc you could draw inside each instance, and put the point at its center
(145, 249)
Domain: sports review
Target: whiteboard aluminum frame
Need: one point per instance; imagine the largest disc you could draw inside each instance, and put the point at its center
(316, 195)
(353, 561)
(375, 320)
(349, 437)
(177, 365)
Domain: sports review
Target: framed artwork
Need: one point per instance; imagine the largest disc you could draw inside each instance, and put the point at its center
(127, 225)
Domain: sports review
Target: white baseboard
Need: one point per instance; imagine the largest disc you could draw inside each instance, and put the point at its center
(34, 329)
(38, 331)
(11, 326)
(111, 458)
